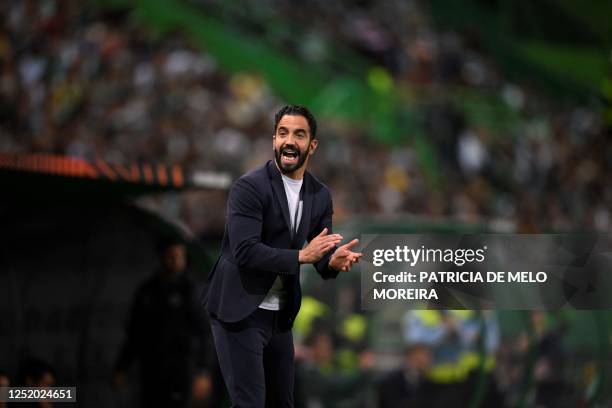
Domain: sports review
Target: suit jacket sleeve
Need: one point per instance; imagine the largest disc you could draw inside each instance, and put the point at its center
(322, 265)
(244, 226)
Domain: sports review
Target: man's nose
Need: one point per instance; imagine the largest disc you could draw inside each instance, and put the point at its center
(290, 140)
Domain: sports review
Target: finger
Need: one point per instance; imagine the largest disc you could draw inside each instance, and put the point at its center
(351, 244)
(334, 243)
(341, 252)
(328, 243)
(355, 256)
(325, 247)
(332, 237)
(323, 232)
(347, 263)
(328, 247)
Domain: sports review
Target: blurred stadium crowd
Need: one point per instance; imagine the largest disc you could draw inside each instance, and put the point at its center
(448, 358)
(84, 82)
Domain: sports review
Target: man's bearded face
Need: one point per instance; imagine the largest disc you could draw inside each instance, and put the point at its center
(292, 143)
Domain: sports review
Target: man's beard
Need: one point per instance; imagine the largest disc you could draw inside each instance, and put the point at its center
(289, 168)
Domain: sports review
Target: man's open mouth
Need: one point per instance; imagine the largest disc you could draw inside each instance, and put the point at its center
(289, 156)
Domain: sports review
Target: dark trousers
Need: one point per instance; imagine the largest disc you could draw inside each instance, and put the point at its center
(256, 360)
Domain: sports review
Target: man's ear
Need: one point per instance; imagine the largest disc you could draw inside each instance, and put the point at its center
(313, 146)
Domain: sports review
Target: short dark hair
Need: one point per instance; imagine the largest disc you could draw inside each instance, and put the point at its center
(297, 110)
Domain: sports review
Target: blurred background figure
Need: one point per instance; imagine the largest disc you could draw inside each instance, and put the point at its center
(551, 389)
(462, 343)
(5, 381)
(320, 382)
(408, 386)
(167, 336)
(35, 372)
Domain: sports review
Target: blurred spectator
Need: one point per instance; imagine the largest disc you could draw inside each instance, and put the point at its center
(85, 82)
(551, 388)
(351, 327)
(319, 382)
(5, 381)
(35, 372)
(461, 341)
(166, 334)
(532, 365)
(407, 386)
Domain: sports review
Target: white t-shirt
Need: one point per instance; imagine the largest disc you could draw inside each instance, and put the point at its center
(275, 298)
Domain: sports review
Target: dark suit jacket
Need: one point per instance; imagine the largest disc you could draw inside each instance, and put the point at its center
(258, 245)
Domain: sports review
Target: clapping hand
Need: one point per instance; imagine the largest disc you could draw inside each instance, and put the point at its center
(319, 246)
(344, 258)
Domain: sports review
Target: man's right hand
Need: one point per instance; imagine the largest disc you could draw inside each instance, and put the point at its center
(319, 246)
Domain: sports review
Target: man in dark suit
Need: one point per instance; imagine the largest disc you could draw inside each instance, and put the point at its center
(167, 335)
(254, 288)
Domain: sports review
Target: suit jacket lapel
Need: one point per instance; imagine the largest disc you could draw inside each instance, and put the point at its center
(279, 191)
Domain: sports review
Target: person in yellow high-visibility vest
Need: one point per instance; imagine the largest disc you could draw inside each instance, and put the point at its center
(455, 339)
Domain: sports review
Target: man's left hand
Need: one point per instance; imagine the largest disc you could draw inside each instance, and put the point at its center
(343, 259)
